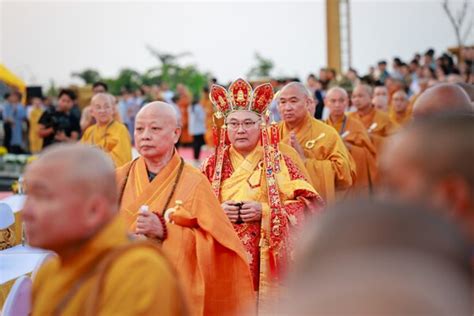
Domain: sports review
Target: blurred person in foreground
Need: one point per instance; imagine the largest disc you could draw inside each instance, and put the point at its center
(170, 202)
(432, 161)
(106, 133)
(71, 209)
(381, 258)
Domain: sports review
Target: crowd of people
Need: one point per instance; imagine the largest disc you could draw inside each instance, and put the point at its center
(318, 198)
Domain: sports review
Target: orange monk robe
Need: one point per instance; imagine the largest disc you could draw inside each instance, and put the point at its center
(114, 139)
(328, 161)
(385, 126)
(243, 179)
(36, 142)
(209, 110)
(361, 149)
(201, 242)
(139, 281)
(401, 119)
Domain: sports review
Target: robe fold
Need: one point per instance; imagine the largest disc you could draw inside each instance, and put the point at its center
(113, 138)
(201, 242)
(328, 161)
(361, 149)
(139, 281)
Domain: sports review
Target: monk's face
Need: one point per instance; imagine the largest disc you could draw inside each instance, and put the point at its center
(243, 130)
(54, 211)
(361, 98)
(380, 92)
(102, 110)
(156, 133)
(336, 102)
(399, 102)
(380, 103)
(293, 105)
(400, 176)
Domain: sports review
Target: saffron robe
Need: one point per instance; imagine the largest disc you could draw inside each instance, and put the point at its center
(36, 142)
(201, 242)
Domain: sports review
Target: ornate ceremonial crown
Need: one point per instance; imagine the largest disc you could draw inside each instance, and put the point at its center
(241, 97)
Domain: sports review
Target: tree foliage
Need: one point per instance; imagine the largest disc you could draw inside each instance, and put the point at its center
(262, 69)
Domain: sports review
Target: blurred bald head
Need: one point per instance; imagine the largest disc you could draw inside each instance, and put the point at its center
(469, 89)
(442, 98)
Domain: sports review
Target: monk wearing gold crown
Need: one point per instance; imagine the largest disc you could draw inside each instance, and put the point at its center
(327, 160)
(263, 192)
(168, 201)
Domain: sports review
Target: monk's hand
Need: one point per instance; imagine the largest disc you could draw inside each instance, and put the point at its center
(296, 145)
(231, 209)
(251, 211)
(149, 225)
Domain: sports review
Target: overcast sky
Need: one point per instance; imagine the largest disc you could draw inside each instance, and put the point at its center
(43, 40)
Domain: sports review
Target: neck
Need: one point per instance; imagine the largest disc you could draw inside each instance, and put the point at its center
(366, 110)
(336, 118)
(104, 124)
(155, 165)
(400, 114)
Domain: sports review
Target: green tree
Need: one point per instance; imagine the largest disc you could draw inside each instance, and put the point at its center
(127, 78)
(262, 69)
(52, 91)
(88, 75)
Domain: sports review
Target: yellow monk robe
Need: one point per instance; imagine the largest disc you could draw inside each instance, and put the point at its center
(401, 119)
(385, 126)
(201, 242)
(243, 179)
(36, 142)
(328, 161)
(114, 139)
(138, 281)
(361, 149)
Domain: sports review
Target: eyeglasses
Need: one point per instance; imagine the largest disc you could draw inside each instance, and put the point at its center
(246, 125)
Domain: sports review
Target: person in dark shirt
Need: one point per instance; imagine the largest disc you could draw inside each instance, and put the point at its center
(58, 125)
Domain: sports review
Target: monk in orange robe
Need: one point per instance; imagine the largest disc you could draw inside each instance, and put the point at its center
(238, 177)
(325, 157)
(378, 124)
(400, 112)
(168, 201)
(355, 138)
(71, 209)
(208, 108)
(183, 102)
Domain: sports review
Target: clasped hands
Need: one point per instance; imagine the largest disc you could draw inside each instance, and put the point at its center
(149, 225)
(245, 211)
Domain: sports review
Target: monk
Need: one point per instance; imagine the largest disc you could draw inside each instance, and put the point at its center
(431, 162)
(237, 172)
(71, 209)
(355, 138)
(469, 89)
(400, 112)
(380, 103)
(108, 134)
(207, 105)
(36, 142)
(170, 202)
(325, 157)
(378, 124)
(443, 97)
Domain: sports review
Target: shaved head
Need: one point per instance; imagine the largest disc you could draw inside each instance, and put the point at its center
(337, 90)
(104, 96)
(82, 166)
(299, 86)
(162, 109)
(443, 97)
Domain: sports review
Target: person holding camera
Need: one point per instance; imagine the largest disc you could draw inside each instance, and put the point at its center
(58, 125)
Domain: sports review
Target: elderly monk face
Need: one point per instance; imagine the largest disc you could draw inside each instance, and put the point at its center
(156, 130)
(243, 130)
(361, 98)
(400, 101)
(102, 108)
(337, 102)
(380, 91)
(380, 103)
(293, 104)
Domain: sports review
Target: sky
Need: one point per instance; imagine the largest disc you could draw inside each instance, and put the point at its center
(48, 40)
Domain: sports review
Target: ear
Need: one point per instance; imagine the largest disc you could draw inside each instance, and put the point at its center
(455, 192)
(97, 209)
(177, 134)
